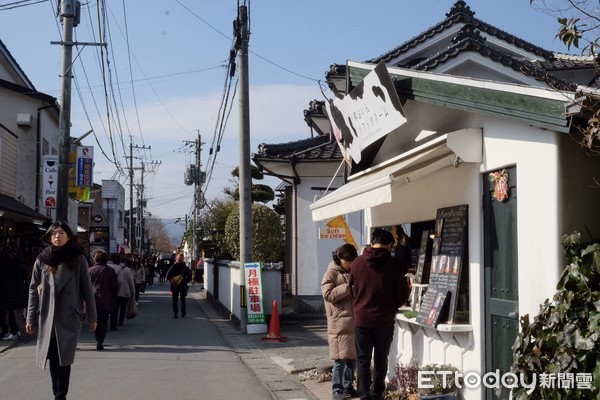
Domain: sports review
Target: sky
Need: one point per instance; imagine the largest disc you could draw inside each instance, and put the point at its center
(166, 73)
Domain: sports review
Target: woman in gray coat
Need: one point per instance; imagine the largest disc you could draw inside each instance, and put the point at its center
(340, 321)
(59, 293)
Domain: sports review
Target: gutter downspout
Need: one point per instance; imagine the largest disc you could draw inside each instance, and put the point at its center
(38, 164)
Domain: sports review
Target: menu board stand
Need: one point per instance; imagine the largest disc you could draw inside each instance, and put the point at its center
(447, 258)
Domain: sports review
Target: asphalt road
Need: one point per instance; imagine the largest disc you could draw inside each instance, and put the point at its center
(152, 356)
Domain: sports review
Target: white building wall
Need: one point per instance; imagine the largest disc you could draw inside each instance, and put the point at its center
(314, 254)
(506, 143)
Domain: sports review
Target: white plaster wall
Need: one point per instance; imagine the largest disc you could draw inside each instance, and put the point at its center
(535, 153)
(27, 151)
(314, 254)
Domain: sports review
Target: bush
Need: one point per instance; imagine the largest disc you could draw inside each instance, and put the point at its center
(267, 234)
(565, 336)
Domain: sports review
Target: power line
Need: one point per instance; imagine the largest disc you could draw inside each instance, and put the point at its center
(22, 3)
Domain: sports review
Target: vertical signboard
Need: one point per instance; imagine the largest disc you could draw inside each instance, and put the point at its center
(84, 171)
(254, 298)
(50, 180)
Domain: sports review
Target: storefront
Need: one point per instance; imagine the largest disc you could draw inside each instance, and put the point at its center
(485, 179)
(21, 229)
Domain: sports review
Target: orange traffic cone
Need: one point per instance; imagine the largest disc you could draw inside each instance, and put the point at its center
(274, 334)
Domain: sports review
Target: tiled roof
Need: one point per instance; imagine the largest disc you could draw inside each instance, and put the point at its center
(312, 149)
(461, 13)
(11, 204)
(469, 39)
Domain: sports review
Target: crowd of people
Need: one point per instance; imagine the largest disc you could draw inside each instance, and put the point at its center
(65, 288)
(362, 295)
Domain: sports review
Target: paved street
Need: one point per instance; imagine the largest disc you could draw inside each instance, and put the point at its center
(157, 357)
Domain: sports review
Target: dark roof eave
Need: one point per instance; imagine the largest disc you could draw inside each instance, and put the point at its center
(462, 17)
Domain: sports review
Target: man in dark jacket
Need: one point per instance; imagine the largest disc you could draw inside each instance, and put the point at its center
(379, 288)
(179, 275)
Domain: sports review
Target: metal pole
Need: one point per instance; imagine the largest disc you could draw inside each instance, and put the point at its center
(130, 238)
(67, 13)
(141, 217)
(245, 182)
(195, 241)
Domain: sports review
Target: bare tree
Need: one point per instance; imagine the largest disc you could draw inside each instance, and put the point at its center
(160, 242)
(579, 26)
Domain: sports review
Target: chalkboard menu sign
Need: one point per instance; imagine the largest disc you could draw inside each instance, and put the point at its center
(421, 276)
(432, 307)
(446, 264)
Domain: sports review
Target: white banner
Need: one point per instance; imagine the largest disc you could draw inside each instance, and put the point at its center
(368, 113)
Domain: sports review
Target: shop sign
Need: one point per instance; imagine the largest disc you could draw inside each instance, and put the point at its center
(332, 233)
(254, 293)
(85, 161)
(368, 113)
(50, 180)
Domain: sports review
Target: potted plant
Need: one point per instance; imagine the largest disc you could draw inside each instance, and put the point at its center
(411, 382)
(404, 384)
(436, 383)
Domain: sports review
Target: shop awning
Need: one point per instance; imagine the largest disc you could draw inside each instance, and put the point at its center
(14, 209)
(373, 187)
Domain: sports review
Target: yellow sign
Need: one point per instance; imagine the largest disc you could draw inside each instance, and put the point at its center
(340, 222)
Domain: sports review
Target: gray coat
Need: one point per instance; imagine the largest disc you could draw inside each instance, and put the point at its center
(60, 298)
(339, 309)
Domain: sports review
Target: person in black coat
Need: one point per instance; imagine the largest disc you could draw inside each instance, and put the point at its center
(13, 294)
(105, 285)
(179, 275)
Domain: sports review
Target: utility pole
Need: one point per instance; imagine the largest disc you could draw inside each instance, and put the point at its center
(197, 199)
(244, 182)
(67, 14)
(130, 240)
(196, 176)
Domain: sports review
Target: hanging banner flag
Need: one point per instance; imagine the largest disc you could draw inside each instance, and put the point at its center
(254, 298)
(50, 178)
(85, 162)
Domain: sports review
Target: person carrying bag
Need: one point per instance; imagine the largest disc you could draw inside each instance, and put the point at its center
(179, 275)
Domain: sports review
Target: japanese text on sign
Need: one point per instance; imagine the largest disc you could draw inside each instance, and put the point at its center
(254, 298)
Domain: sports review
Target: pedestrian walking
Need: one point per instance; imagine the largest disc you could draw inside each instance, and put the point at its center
(60, 291)
(126, 289)
(337, 295)
(379, 288)
(179, 275)
(105, 285)
(139, 276)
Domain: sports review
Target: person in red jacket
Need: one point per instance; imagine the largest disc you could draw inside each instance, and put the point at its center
(379, 288)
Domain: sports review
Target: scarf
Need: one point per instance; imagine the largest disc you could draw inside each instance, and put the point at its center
(52, 255)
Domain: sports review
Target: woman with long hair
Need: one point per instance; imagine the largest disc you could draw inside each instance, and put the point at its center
(59, 292)
(337, 295)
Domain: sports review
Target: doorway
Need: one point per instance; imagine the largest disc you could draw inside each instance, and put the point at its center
(501, 271)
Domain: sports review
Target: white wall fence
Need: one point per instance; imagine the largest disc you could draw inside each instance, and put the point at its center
(222, 281)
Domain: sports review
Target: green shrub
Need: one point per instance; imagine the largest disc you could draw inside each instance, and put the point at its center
(267, 234)
(565, 336)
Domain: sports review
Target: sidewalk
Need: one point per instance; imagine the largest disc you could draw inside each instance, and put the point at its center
(289, 369)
